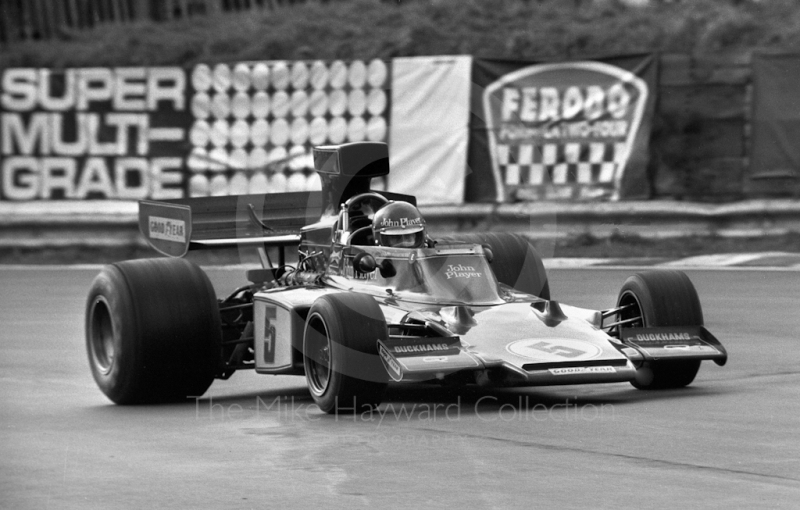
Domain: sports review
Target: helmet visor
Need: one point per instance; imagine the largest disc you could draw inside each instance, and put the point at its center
(409, 240)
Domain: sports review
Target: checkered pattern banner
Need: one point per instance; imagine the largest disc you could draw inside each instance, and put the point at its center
(255, 123)
(552, 163)
(561, 130)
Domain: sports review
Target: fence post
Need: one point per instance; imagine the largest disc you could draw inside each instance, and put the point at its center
(140, 10)
(72, 16)
(213, 6)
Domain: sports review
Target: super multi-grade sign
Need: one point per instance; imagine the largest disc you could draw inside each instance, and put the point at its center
(92, 133)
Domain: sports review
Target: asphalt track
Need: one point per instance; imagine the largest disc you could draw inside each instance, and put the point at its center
(728, 441)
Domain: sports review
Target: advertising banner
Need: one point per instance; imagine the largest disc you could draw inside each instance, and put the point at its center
(775, 163)
(560, 131)
(160, 133)
(254, 124)
(430, 127)
(92, 133)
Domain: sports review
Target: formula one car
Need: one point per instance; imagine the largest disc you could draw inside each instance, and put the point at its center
(355, 313)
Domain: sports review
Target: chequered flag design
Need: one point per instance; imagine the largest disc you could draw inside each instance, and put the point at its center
(554, 163)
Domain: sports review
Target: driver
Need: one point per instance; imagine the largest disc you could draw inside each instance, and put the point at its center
(399, 225)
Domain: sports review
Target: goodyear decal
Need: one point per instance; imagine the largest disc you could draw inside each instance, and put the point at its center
(582, 370)
(167, 229)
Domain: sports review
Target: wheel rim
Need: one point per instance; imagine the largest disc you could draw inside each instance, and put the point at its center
(317, 355)
(101, 336)
(635, 310)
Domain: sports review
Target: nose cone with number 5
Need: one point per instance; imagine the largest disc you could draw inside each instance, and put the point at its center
(536, 349)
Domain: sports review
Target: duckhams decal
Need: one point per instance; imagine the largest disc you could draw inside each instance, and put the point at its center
(667, 342)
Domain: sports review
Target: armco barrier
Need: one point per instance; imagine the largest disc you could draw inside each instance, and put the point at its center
(114, 223)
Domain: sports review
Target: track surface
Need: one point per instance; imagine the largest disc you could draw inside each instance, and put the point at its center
(728, 441)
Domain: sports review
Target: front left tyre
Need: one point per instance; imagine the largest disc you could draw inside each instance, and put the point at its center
(340, 353)
(152, 331)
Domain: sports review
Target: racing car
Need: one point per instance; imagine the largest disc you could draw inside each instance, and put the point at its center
(353, 313)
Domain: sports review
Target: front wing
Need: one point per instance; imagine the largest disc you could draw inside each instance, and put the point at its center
(526, 352)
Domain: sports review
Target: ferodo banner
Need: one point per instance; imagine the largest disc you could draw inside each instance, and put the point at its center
(560, 131)
(93, 133)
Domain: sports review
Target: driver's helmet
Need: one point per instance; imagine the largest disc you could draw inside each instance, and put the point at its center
(399, 225)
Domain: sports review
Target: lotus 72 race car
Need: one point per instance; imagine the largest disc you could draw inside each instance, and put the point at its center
(353, 315)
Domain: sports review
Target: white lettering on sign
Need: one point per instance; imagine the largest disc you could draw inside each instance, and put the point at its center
(580, 129)
(127, 89)
(29, 178)
(168, 229)
(532, 104)
(44, 134)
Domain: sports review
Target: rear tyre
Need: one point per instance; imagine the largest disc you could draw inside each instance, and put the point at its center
(662, 298)
(340, 353)
(516, 262)
(152, 331)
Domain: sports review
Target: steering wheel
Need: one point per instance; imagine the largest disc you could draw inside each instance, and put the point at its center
(365, 231)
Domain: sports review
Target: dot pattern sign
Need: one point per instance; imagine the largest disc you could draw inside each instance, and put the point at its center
(254, 124)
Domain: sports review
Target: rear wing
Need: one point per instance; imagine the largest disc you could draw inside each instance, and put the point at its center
(173, 227)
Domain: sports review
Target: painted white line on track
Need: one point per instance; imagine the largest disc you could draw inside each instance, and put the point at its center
(569, 263)
(727, 259)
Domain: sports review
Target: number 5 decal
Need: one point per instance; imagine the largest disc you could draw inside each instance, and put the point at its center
(558, 350)
(269, 335)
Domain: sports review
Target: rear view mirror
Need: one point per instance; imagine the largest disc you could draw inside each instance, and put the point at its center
(487, 250)
(364, 263)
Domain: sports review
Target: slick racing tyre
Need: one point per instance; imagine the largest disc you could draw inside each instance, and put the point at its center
(340, 353)
(152, 331)
(662, 298)
(516, 262)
